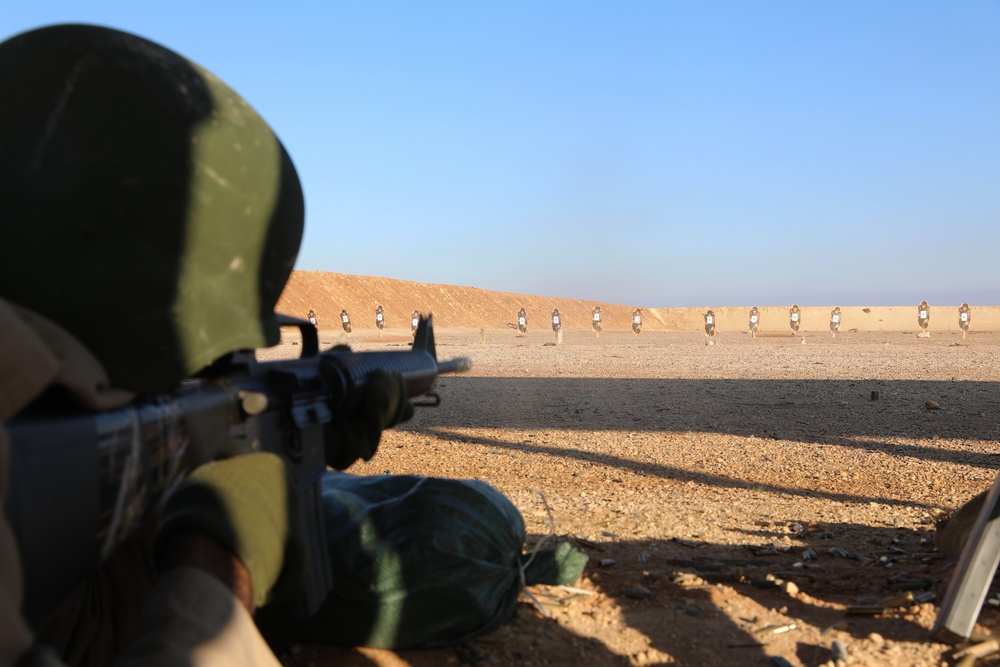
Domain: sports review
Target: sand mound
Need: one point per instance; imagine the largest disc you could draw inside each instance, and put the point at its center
(456, 307)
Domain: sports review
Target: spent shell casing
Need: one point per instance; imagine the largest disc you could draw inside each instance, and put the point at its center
(899, 600)
(865, 609)
(775, 629)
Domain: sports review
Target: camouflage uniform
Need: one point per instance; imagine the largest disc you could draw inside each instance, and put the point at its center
(187, 617)
(171, 217)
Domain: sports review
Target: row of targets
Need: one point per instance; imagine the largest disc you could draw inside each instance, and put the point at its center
(345, 320)
(795, 319)
(522, 320)
(596, 321)
(964, 317)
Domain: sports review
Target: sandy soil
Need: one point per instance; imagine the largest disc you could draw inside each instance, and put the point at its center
(700, 478)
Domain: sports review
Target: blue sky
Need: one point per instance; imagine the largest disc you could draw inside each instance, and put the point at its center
(649, 153)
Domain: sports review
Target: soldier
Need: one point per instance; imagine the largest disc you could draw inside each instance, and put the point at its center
(710, 324)
(637, 321)
(379, 319)
(835, 321)
(794, 318)
(597, 320)
(414, 321)
(557, 325)
(522, 321)
(140, 176)
(754, 321)
(312, 317)
(345, 321)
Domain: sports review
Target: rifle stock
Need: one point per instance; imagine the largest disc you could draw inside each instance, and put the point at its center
(81, 483)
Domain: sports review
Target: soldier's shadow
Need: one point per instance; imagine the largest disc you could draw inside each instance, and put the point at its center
(528, 638)
(680, 593)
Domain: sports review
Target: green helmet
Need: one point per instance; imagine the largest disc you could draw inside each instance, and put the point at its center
(144, 206)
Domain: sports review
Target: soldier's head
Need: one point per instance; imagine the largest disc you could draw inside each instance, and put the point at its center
(147, 208)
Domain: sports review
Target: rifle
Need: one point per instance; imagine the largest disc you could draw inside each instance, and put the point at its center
(82, 482)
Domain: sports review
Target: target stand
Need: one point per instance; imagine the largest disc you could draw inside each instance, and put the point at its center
(973, 575)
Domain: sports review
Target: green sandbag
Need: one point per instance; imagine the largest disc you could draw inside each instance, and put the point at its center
(424, 562)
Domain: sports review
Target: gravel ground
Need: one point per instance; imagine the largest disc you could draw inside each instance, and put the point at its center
(737, 500)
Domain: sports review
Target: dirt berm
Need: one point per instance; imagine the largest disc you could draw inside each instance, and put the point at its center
(472, 308)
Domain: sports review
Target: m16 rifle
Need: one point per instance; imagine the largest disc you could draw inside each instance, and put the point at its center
(81, 482)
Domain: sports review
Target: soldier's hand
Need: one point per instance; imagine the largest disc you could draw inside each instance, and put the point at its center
(384, 405)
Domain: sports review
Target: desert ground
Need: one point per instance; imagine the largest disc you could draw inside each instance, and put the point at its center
(740, 502)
